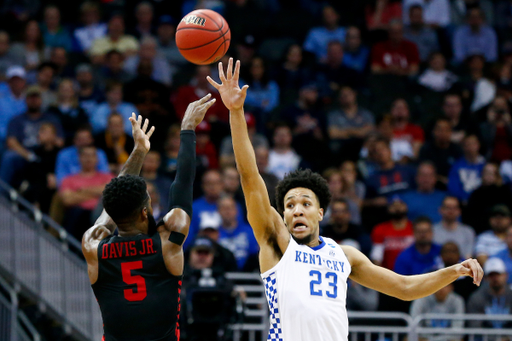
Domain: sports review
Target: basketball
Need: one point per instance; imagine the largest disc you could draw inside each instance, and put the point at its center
(203, 36)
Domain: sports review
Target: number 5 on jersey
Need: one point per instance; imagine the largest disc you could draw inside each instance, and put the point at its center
(332, 279)
(133, 295)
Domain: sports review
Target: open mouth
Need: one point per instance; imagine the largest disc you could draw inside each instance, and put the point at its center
(299, 226)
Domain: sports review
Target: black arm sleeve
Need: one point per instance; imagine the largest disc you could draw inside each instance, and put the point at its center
(181, 191)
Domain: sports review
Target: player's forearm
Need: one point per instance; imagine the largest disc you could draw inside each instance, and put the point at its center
(134, 163)
(244, 152)
(423, 285)
(181, 192)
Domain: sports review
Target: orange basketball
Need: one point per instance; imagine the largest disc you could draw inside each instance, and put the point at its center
(203, 36)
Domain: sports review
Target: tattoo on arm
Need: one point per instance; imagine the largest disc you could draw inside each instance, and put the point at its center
(133, 165)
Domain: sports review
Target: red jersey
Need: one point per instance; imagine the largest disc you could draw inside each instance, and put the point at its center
(188, 94)
(403, 54)
(393, 240)
(411, 133)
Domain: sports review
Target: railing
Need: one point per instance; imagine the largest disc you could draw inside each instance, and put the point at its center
(384, 325)
(14, 325)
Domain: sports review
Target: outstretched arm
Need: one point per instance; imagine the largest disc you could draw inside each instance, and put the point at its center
(407, 288)
(264, 219)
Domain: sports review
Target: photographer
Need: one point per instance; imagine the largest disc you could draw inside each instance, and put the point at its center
(209, 303)
(496, 132)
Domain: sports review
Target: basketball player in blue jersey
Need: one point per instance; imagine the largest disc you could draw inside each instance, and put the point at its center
(136, 274)
(305, 275)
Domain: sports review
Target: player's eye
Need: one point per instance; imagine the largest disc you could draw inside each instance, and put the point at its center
(307, 204)
(289, 205)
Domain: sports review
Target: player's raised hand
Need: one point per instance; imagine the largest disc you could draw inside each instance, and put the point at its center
(195, 112)
(140, 132)
(471, 267)
(230, 92)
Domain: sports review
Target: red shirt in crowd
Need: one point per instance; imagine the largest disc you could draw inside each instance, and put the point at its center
(392, 11)
(393, 240)
(403, 54)
(411, 133)
(188, 94)
(79, 181)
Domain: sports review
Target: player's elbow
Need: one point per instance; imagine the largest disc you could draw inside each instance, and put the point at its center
(406, 292)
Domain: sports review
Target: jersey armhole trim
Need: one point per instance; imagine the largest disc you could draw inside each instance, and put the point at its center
(275, 267)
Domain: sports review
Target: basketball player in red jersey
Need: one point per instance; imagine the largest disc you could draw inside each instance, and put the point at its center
(136, 274)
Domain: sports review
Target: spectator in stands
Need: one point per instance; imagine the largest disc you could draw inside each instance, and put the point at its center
(30, 51)
(292, 74)
(349, 124)
(496, 132)
(235, 235)
(492, 192)
(355, 54)
(59, 57)
(148, 53)
(424, 255)
(492, 299)
(89, 95)
(231, 185)
(282, 157)
(476, 87)
(264, 96)
(68, 161)
(343, 231)
(353, 188)
(395, 56)
(392, 237)
(80, 193)
(389, 178)
(450, 229)
(40, 173)
(198, 88)
(361, 298)
(452, 109)
(403, 129)
(318, 37)
(466, 173)
(112, 69)
(45, 81)
(92, 28)
(114, 103)
(450, 255)
(205, 149)
(67, 109)
(332, 74)
(475, 38)
(420, 34)
(506, 255)
(12, 100)
(223, 258)
(166, 41)
(441, 151)
(144, 25)
(116, 39)
(379, 14)
(116, 143)
(262, 156)
(54, 35)
(489, 243)
(436, 77)
(401, 149)
(444, 301)
(159, 211)
(425, 200)
(7, 58)
(150, 173)
(336, 185)
(170, 153)
(21, 137)
(436, 13)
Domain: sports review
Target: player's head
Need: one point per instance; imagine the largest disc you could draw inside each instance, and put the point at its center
(302, 198)
(127, 202)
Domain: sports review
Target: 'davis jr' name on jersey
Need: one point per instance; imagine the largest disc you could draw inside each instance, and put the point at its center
(127, 249)
(309, 258)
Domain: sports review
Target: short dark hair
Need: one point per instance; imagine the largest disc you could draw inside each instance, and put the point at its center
(124, 196)
(422, 219)
(307, 179)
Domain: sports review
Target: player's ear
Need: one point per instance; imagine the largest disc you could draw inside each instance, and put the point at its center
(320, 214)
(145, 212)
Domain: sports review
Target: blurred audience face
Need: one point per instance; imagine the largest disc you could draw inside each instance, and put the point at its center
(500, 104)
(114, 61)
(282, 137)
(45, 76)
(210, 232)
(497, 281)
(4, 42)
(230, 179)
(115, 126)
(166, 33)
(17, 85)
(400, 111)
(397, 210)
(32, 31)
(47, 134)
(59, 57)
(499, 223)
(66, 91)
(147, 49)
(294, 55)
(476, 64)
(452, 107)
(450, 254)
(261, 158)
(450, 210)
(144, 13)
(416, 16)
(201, 72)
(257, 69)
(471, 147)
(330, 17)
(426, 178)
(201, 258)
(309, 96)
(212, 185)
(173, 138)
(153, 194)
(475, 18)
(442, 132)
(423, 234)
(151, 162)
(382, 153)
(490, 174)
(83, 138)
(335, 183)
(34, 103)
(52, 17)
(353, 38)
(116, 27)
(348, 172)
(115, 95)
(395, 32)
(340, 213)
(334, 53)
(84, 79)
(437, 62)
(88, 159)
(508, 240)
(443, 293)
(228, 211)
(348, 97)
(90, 13)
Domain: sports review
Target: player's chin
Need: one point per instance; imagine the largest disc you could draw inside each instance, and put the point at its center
(302, 236)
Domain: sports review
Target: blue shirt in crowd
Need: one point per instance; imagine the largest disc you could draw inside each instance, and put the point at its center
(357, 60)
(99, 117)
(411, 262)
(467, 43)
(26, 129)
(10, 106)
(61, 38)
(68, 163)
(423, 204)
(505, 256)
(390, 181)
(240, 241)
(263, 97)
(319, 37)
(465, 177)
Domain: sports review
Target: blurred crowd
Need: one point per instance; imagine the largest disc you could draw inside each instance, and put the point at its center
(403, 106)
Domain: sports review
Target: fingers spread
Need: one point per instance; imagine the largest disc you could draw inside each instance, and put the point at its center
(210, 103)
(150, 132)
(237, 71)
(145, 127)
(221, 73)
(213, 83)
(205, 98)
(139, 120)
(244, 89)
(229, 71)
(133, 119)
